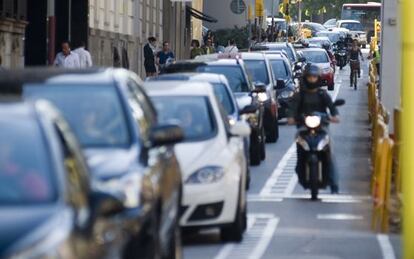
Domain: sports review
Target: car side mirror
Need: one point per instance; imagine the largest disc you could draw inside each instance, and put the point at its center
(259, 88)
(105, 204)
(339, 102)
(240, 129)
(280, 84)
(248, 109)
(166, 135)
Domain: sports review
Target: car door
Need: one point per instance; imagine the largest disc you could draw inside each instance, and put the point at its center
(164, 163)
(96, 237)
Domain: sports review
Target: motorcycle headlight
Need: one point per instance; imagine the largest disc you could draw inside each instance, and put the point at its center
(262, 97)
(210, 174)
(313, 121)
(127, 188)
(286, 94)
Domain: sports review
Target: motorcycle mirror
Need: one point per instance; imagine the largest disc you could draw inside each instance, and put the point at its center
(339, 102)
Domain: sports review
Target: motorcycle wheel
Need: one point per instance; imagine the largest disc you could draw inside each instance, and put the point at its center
(314, 179)
(340, 67)
(255, 148)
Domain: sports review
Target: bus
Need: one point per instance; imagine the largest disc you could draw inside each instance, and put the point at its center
(364, 13)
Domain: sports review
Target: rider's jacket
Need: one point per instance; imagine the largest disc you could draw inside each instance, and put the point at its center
(307, 101)
(341, 44)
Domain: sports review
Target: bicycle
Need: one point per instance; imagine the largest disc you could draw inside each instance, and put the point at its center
(354, 73)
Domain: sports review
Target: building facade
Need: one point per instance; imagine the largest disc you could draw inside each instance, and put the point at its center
(229, 13)
(13, 22)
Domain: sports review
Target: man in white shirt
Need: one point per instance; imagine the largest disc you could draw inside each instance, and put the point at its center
(231, 48)
(84, 56)
(67, 58)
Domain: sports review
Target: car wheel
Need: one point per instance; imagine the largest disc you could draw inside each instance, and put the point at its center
(247, 177)
(255, 145)
(263, 146)
(273, 133)
(234, 231)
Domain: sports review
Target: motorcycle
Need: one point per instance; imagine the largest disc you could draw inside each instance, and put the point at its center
(341, 56)
(313, 144)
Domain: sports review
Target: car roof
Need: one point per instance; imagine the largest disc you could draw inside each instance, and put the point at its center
(320, 38)
(14, 108)
(348, 21)
(253, 56)
(178, 88)
(327, 32)
(11, 82)
(313, 49)
(191, 76)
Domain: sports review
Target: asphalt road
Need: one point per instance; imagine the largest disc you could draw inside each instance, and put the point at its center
(284, 223)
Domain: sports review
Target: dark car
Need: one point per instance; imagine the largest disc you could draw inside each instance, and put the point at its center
(129, 154)
(47, 207)
(285, 81)
(246, 95)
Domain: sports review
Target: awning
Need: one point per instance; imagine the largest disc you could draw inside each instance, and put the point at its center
(201, 16)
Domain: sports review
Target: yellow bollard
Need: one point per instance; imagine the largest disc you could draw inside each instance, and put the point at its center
(407, 149)
(396, 154)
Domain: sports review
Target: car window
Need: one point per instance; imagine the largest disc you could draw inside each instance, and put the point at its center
(95, 112)
(75, 172)
(26, 175)
(289, 51)
(279, 69)
(352, 26)
(193, 113)
(257, 70)
(224, 97)
(234, 74)
(316, 56)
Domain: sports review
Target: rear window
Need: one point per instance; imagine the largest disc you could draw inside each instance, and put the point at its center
(316, 56)
(192, 113)
(234, 74)
(279, 69)
(25, 169)
(352, 26)
(289, 51)
(257, 70)
(95, 112)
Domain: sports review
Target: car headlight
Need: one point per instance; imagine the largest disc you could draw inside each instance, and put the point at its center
(127, 188)
(313, 121)
(209, 174)
(286, 94)
(262, 97)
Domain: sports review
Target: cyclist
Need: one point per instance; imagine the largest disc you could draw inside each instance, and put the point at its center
(354, 54)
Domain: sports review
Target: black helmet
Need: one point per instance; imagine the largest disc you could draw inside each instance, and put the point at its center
(341, 38)
(311, 70)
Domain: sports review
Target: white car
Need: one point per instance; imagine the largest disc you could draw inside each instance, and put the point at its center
(356, 29)
(212, 159)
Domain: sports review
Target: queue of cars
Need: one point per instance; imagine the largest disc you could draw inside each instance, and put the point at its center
(98, 164)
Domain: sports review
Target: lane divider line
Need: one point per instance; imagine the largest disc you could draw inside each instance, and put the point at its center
(386, 247)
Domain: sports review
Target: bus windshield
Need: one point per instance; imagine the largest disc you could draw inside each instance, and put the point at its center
(364, 13)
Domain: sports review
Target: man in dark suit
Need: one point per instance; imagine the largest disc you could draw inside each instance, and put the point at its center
(149, 57)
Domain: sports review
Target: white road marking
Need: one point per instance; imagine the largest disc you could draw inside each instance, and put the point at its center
(386, 248)
(339, 216)
(260, 230)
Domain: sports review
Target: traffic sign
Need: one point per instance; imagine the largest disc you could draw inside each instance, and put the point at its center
(237, 6)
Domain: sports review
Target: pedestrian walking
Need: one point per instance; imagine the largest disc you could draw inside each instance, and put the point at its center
(195, 49)
(67, 58)
(85, 57)
(232, 47)
(208, 47)
(164, 55)
(149, 57)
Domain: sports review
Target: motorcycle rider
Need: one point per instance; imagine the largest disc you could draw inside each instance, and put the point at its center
(341, 43)
(354, 54)
(348, 40)
(312, 98)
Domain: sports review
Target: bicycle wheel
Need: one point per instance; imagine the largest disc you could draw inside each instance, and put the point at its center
(355, 80)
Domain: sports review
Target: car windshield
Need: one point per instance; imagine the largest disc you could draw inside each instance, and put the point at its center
(352, 26)
(257, 70)
(234, 74)
(288, 51)
(317, 26)
(192, 113)
(316, 56)
(94, 112)
(279, 69)
(224, 97)
(25, 170)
